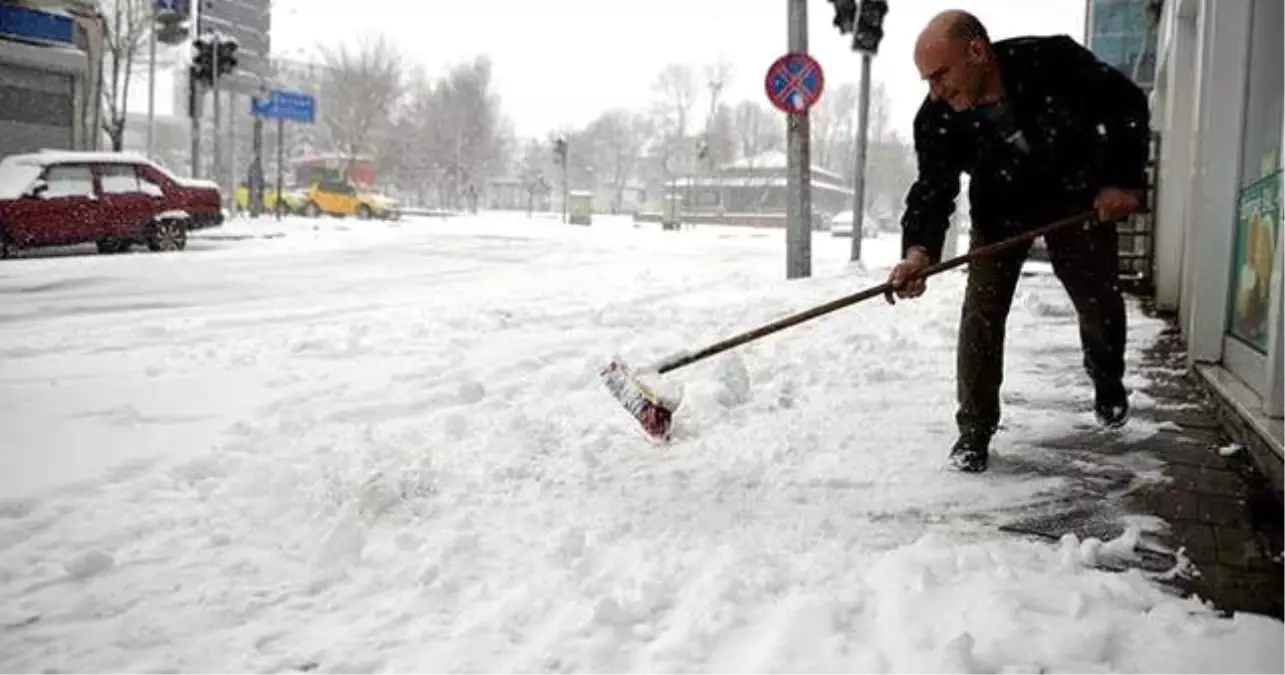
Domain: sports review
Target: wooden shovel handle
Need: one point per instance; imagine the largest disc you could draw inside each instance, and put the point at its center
(687, 358)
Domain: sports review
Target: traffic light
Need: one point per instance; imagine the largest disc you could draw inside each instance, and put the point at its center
(560, 150)
(869, 28)
(226, 51)
(845, 14)
(211, 54)
(202, 68)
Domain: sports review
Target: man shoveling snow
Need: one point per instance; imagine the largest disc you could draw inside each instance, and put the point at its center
(1044, 129)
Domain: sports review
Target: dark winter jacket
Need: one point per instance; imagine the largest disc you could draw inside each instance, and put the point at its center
(1084, 126)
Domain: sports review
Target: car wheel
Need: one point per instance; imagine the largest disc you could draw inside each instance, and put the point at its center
(363, 212)
(311, 210)
(169, 234)
(6, 248)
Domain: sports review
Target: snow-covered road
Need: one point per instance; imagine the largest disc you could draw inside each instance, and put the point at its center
(386, 448)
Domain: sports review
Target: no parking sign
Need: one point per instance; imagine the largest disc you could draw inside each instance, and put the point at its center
(794, 82)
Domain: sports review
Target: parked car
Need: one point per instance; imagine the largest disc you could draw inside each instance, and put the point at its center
(841, 226)
(116, 200)
(292, 202)
(341, 198)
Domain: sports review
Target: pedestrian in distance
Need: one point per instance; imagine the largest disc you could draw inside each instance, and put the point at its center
(1045, 130)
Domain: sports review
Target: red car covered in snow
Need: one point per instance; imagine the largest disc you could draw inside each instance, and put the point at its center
(116, 200)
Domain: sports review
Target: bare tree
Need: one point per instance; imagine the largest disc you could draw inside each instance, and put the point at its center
(536, 171)
(617, 138)
(757, 129)
(880, 109)
(360, 86)
(833, 122)
(718, 76)
(128, 22)
(677, 89)
(890, 161)
(461, 131)
(720, 136)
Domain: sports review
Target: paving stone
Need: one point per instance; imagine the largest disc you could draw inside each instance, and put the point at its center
(1208, 481)
(1195, 535)
(1221, 511)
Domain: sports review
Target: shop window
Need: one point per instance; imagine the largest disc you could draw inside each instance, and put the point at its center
(1257, 227)
(1261, 146)
(1259, 211)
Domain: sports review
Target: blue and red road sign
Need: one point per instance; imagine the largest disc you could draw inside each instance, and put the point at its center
(794, 82)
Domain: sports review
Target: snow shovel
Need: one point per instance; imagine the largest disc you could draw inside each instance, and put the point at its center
(643, 394)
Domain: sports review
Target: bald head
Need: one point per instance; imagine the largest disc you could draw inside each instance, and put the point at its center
(953, 55)
(951, 26)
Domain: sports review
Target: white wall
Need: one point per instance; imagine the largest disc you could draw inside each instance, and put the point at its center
(1174, 98)
(1211, 206)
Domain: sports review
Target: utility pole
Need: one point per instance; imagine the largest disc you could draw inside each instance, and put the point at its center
(170, 25)
(256, 162)
(560, 150)
(866, 35)
(232, 158)
(194, 110)
(216, 163)
(859, 175)
(196, 74)
(798, 181)
(279, 205)
(151, 79)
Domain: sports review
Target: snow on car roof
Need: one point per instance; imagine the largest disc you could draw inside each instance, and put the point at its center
(44, 157)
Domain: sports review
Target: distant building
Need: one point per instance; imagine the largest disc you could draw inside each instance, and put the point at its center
(50, 55)
(1122, 33)
(758, 185)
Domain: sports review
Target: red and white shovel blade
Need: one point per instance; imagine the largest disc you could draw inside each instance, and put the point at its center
(653, 411)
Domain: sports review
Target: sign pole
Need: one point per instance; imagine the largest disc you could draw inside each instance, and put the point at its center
(281, 155)
(256, 164)
(280, 105)
(195, 97)
(216, 164)
(798, 258)
(151, 80)
(859, 185)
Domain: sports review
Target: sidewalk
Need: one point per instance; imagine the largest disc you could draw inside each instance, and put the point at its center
(1219, 521)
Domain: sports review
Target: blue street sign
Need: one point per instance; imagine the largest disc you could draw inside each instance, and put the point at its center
(27, 24)
(286, 104)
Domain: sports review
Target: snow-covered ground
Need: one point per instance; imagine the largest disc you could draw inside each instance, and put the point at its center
(371, 446)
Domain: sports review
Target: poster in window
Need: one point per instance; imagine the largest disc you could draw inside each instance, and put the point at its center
(1255, 253)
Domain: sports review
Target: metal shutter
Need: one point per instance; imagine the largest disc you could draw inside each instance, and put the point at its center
(36, 109)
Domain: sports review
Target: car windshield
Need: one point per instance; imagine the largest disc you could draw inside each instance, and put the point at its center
(164, 171)
(16, 177)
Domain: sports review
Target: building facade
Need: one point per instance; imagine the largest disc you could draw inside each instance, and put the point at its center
(1123, 34)
(50, 56)
(1217, 105)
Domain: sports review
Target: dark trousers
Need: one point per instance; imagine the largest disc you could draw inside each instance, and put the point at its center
(1085, 261)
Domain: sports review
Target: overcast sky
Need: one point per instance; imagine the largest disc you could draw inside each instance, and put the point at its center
(561, 62)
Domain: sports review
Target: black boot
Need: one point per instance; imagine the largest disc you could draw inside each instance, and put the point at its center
(971, 452)
(1111, 405)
